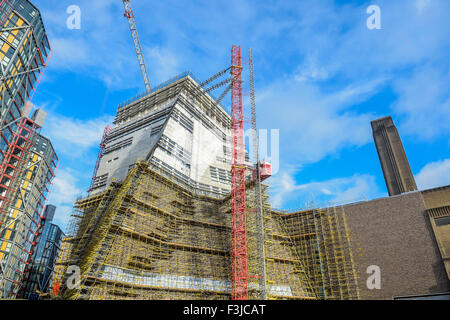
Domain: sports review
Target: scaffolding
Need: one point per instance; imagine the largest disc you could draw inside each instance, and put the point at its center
(61, 263)
(285, 273)
(150, 238)
(320, 238)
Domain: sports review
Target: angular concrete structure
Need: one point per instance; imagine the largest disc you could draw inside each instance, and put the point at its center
(187, 138)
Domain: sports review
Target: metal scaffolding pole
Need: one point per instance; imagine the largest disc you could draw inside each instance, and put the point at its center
(258, 197)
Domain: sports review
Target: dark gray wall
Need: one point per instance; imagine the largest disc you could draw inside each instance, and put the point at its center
(395, 234)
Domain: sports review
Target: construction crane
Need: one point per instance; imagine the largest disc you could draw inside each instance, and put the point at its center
(239, 215)
(134, 34)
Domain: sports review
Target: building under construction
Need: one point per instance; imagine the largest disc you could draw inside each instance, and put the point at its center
(176, 210)
(158, 222)
(151, 238)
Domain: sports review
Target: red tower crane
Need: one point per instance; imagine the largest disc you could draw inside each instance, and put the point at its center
(239, 217)
(134, 34)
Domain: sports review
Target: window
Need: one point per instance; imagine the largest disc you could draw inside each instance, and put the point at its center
(220, 175)
(440, 218)
(442, 221)
(443, 235)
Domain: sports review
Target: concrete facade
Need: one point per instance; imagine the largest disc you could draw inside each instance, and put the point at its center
(179, 132)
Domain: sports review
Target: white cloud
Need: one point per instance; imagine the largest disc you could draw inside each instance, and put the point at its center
(72, 136)
(314, 124)
(422, 4)
(287, 193)
(342, 48)
(424, 102)
(312, 74)
(435, 174)
(64, 187)
(63, 193)
(338, 40)
(76, 143)
(165, 61)
(310, 71)
(69, 53)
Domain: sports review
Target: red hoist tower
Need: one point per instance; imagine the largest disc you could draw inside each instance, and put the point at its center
(239, 217)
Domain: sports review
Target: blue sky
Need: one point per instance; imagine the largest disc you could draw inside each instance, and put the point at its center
(321, 77)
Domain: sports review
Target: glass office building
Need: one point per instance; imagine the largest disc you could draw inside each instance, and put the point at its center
(18, 236)
(44, 258)
(27, 159)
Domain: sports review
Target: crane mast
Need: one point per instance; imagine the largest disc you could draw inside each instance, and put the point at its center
(239, 214)
(134, 34)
